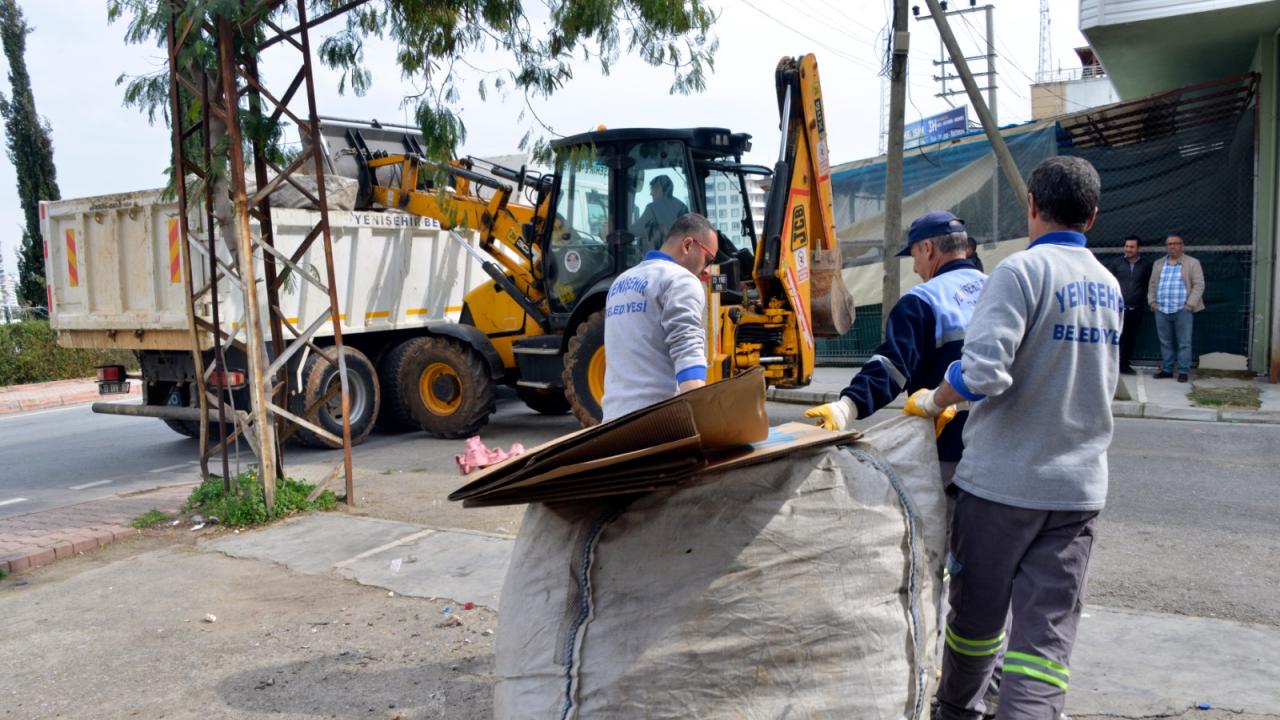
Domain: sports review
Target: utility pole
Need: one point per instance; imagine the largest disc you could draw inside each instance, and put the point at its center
(893, 166)
(990, 58)
(998, 145)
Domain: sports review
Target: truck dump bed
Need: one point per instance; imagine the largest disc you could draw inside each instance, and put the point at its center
(115, 273)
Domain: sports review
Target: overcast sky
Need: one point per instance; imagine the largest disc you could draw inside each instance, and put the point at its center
(74, 57)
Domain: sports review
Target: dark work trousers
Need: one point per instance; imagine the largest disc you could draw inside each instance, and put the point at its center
(1129, 334)
(1033, 562)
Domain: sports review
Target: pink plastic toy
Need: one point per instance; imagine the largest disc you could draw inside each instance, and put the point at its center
(477, 455)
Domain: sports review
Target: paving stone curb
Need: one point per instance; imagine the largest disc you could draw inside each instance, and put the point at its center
(46, 536)
(41, 396)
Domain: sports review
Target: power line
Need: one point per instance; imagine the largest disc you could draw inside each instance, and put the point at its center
(848, 17)
(838, 53)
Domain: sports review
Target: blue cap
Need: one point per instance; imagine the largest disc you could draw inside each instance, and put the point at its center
(931, 225)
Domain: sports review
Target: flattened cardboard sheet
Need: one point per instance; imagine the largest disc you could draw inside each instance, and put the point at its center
(717, 427)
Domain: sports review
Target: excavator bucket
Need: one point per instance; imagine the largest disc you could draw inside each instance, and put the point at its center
(829, 297)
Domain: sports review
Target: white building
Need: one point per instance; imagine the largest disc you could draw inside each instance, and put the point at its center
(1059, 92)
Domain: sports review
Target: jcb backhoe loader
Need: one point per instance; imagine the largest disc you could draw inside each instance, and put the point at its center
(539, 324)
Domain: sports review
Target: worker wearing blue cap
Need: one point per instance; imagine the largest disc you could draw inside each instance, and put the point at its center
(924, 333)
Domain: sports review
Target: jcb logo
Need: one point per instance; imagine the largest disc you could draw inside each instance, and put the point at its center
(799, 228)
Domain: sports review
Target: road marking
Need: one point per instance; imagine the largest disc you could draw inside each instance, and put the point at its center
(381, 548)
(12, 501)
(89, 485)
(173, 467)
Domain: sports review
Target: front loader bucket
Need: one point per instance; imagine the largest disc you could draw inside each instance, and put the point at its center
(829, 298)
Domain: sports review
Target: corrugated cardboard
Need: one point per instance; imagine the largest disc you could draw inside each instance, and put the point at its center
(720, 426)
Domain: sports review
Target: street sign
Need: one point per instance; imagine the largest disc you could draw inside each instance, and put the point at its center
(936, 127)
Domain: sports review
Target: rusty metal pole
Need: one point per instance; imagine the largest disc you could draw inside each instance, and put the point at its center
(219, 350)
(179, 181)
(313, 132)
(255, 345)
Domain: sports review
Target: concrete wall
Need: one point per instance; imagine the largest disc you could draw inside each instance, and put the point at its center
(1111, 12)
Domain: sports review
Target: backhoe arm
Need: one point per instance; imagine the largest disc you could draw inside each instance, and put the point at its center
(499, 221)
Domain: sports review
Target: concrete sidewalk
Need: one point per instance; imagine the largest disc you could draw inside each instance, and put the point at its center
(37, 396)
(1125, 663)
(1148, 397)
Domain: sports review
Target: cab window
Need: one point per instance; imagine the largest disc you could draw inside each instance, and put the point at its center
(657, 191)
(577, 254)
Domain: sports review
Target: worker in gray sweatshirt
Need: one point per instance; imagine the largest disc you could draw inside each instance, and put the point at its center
(1040, 368)
(655, 326)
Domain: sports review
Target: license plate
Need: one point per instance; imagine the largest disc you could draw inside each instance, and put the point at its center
(112, 388)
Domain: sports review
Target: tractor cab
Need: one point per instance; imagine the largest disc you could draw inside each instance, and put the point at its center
(616, 195)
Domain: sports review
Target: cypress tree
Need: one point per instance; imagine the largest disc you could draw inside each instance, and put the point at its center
(31, 151)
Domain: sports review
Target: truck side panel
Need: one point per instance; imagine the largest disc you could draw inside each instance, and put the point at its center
(115, 273)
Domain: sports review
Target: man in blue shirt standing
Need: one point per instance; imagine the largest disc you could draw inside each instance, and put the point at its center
(924, 334)
(1174, 292)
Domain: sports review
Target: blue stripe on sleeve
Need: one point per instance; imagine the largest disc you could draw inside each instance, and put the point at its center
(955, 376)
(697, 372)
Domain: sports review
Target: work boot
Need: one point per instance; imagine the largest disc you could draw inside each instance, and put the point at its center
(1161, 375)
(1182, 377)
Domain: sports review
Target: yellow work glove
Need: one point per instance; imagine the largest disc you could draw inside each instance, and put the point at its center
(920, 404)
(834, 415)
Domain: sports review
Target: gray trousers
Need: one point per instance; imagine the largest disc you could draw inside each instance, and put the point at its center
(1031, 564)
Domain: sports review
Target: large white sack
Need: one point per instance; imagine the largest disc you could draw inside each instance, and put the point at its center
(800, 588)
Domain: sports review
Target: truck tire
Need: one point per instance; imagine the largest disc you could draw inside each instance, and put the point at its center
(394, 416)
(318, 375)
(584, 371)
(446, 387)
(180, 396)
(547, 402)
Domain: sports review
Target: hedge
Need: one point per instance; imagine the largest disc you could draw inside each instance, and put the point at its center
(29, 354)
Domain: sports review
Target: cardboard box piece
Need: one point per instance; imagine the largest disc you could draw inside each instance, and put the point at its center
(716, 427)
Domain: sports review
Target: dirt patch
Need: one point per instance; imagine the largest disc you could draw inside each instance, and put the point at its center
(125, 629)
(1245, 397)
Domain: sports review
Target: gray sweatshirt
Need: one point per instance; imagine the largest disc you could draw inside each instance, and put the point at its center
(1040, 363)
(654, 334)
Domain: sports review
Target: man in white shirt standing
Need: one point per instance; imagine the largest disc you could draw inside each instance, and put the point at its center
(655, 325)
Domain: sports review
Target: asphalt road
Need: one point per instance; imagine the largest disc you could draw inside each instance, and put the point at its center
(51, 458)
(1190, 525)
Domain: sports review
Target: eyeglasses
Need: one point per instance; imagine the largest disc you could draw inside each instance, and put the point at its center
(711, 256)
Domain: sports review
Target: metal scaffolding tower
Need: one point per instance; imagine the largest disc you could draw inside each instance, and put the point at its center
(219, 108)
(1046, 43)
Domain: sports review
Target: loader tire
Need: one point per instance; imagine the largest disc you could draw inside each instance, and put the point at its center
(446, 387)
(584, 371)
(547, 402)
(319, 374)
(394, 415)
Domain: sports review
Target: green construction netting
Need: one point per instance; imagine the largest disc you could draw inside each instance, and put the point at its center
(1196, 181)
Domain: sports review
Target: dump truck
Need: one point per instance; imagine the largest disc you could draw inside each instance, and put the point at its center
(115, 280)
